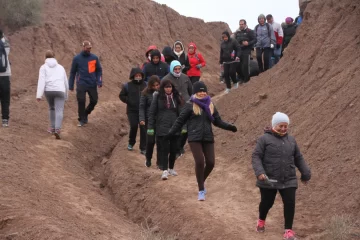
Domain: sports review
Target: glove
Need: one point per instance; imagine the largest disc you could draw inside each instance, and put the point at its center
(278, 46)
(184, 131)
(233, 128)
(150, 132)
(271, 45)
(198, 66)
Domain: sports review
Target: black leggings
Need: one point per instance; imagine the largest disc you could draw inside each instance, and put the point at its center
(267, 55)
(167, 150)
(288, 198)
(203, 151)
(5, 96)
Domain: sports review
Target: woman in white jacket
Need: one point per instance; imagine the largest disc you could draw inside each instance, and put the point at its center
(53, 81)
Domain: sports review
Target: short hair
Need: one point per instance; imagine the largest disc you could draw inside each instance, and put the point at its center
(242, 20)
(49, 54)
(269, 16)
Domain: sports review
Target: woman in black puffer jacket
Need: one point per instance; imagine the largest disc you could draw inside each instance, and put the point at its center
(274, 160)
(199, 113)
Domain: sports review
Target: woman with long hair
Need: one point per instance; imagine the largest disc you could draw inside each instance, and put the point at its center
(200, 113)
(164, 110)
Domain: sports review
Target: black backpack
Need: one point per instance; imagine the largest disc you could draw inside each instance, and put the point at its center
(3, 58)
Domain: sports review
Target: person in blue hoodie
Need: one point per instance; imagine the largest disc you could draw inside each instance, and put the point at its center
(87, 71)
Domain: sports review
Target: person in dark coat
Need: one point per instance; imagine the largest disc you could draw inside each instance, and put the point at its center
(274, 160)
(155, 66)
(289, 29)
(164, 109)
(130, 95)
(181, 56)
(144, 111)
(200, 113)
(169, 55)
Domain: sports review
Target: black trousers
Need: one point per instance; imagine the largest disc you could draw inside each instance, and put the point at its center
(267, 55)
(167, 150)
(243, 68)
(288, 198)
(81, 98)
(5, 96)
(133, 118)
(230, 72)
(204, 156)
(194, 79)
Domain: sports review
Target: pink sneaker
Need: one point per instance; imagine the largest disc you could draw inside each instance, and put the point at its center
(289, 235)
(260, 226)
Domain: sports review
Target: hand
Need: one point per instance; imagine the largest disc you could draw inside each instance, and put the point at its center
(304, 182)
(278, 46)
(99, 86)
(245, 43)
(38, 99)
(237, 59)
(142, 123)
(150, 132)
(233, 128)
(271, 45)
(261, 177)
(198, 66)
(184, 131)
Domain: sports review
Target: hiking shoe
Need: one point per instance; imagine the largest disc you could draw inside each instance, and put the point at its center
(227, 90)
(86, 119)
(143, 152)
(201, 196)
(260, 226)
(289, 235)
(172, 172)
(236, 85)
(81, 124)
(165, 175)
(148, 163)
(51, 130)
(57, 134)
(130, 147)
(5, 122)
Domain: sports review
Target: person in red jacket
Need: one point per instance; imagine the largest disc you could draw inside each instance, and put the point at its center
(196, 61)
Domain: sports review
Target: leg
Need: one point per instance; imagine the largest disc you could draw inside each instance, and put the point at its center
(233, 72)
(163, 149)
(59, 109)
(150, 143)
(259, 59)
(5, 96)
(267, 56)
(93, 95)
(209, 154)
(288, 198)
(134, 123)
(227, 75)
(173, 150)
(143, 138)
(267, 201)
(245, 67)
(183, 139)
(277, 54)
(81, 98)
(197, 151)
(51, 102)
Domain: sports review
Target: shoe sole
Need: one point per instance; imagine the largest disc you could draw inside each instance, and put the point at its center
(163, 178)
(201, 199)
(260, 231)
(57, 135)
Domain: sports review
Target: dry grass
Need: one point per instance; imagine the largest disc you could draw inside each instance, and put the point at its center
(342, 227)
(153, 233)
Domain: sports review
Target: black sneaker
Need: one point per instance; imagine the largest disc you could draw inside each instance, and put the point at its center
(148, 163)
(81, 124)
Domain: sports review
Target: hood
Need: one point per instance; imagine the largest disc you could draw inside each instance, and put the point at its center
(179, 42)
(261, 16)
(51, 62)
(150, 48)
(167, 51)
(174, 64)
(154, 53)
(194, 45)
(135, 71)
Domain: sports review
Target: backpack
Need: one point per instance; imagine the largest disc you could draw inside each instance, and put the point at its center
(196, 56)
(268, 28)
(3, 58)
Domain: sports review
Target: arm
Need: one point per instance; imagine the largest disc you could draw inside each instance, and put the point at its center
(144, 71)
(66, 85)
(221, 53)
(73, 71)
(301, 164)
(41, 83)
(272, 35)
(142, 108)
(187, 65)
(218, 122)
(202, 60)
(99, 73)
(153, 111)
(124, 94)
(181, 120)
(257, 157)
(281, 35)
(252, 38)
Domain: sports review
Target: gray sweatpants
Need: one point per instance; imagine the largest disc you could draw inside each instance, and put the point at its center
(56, 101)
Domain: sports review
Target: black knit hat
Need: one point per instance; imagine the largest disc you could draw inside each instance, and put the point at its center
(199, 87)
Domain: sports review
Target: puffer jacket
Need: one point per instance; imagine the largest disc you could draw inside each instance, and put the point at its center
(226, 49)
(145, 103)
(162, 118)
(199, 126)
(278, 157)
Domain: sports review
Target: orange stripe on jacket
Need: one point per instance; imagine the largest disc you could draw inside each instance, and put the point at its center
(92, 66)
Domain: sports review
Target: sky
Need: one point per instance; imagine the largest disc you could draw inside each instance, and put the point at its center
(231, 11)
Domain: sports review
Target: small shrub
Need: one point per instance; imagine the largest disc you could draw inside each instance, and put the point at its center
(341, 227)
(153, 233)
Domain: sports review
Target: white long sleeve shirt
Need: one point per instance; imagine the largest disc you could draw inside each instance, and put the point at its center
(52, 77)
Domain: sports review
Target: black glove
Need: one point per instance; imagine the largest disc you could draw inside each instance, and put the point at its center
(233, 128)
(278, 46)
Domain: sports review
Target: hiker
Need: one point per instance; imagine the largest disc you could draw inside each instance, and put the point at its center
(87, 70)
(265, 43)
(230, 52)
(183, 85)
(274, 160)
(289, 30)
(279, 35)
(130, 95)
(148, 55)
(5, 73)
(299, 19)
(164, 110)
(144, 110)
(169, 55)
(196, 61)
(246, 38)
(200, 113)
(54, 83)
(155, 66)
(181, 56)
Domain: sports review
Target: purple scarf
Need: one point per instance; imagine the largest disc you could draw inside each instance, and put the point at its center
(204, 104)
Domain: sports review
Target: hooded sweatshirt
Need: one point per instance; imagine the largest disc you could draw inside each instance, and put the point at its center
(52, 77)
(169, 55)
(194, 60)
(265, 34)
(182, 57)
(160, 69)
(7, 50)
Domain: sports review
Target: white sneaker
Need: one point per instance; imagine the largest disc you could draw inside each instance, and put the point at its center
(236, 85)
(172, 172)
(227, 90)
(165, 175)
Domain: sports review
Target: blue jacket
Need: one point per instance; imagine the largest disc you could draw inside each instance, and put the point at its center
(87, 70)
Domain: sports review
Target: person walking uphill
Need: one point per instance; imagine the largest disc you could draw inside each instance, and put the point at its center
(53, 81)
(279, 35)
(265, 44)
(230, 52)
(181, 56)
(130, 95)
(144, 111)
(196, 61)
(274, 160)
(5, 74)
(164, 110)
(155, 66)
(87, 70)
(200, 113)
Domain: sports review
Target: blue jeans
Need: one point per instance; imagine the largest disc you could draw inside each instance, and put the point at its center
(276, 56)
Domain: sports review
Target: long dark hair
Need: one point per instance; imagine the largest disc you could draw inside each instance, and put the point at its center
(176, 95)
(152, 80)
